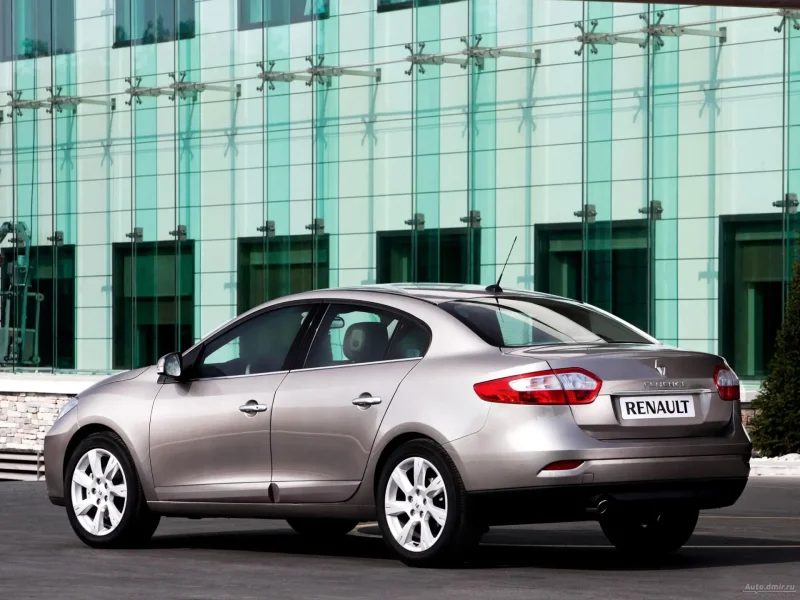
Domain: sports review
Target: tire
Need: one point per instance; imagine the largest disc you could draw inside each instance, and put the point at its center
(449, 542)
(121, 519)
(651, 535)
(322, 529)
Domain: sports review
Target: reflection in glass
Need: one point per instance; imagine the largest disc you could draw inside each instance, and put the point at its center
(559, 267)
(139, 22)
(274, 267)
(255, 13)
(153, 301)
(751, 291)
(33, 30)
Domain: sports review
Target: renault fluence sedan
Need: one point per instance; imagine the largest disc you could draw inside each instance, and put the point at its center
(437, 410)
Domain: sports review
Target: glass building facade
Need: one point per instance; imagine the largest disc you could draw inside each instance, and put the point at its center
(154, 182)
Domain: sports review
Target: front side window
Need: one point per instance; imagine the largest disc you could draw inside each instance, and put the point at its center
(258, 13)
(139, 22)
(36, 28)
(261, 344)
(352, 334)
(520, 322)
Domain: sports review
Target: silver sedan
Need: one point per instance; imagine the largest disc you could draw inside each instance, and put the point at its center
(437, 410)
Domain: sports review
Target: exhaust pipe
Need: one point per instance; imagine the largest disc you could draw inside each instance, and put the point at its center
(602, 507)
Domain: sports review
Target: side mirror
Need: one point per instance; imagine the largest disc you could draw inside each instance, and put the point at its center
(170, 365)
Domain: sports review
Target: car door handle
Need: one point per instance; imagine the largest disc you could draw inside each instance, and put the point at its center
(366, 401)
(251, 408)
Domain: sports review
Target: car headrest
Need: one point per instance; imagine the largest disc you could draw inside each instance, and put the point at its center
(365, 342)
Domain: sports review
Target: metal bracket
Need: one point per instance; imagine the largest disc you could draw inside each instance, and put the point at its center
(57, 101)
(658, 31)
(190, 89)
(17, 104)
(268, 228)
(317, 72)
(419, 59)
(136, 92)
(789, 204)
(137, 235)
(179, 233)
(587, 213)
(271, 76)
(654, 211)
(473, 220)
(651, 30)
(592, 39)
(57, 239)
(787, 14)
(475, 55)
(417, 222)
(317, 227)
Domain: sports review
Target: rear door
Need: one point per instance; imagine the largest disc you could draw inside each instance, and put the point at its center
(647, 391)
(327, 413)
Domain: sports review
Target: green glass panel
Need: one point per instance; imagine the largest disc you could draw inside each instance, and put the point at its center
(562, 253)
(36, 28)
(751, 291)
(287, 267)
(140, 22)
(384, 5)
(152, 286)
(425, 144)
(598, 85)
(482, 133)
(325, 142)
(396, 263)
(665, 77)
(45, 279)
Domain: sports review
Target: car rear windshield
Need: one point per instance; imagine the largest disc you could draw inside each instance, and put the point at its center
(519, 322)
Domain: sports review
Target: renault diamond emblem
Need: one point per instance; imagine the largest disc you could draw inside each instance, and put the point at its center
(662, 370)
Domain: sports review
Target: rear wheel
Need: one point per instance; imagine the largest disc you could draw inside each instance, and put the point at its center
(422, 506)
(322, 528)
(653, 534)
(105, 503)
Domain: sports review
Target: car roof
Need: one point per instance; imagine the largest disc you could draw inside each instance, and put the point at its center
(437, 293)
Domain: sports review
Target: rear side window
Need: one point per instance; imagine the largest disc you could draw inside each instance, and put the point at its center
(410, 341)
(521, 322)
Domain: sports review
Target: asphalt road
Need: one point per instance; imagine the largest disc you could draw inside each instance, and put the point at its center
(756, 542)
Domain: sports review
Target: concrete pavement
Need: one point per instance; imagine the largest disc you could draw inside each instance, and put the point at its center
(755, 543)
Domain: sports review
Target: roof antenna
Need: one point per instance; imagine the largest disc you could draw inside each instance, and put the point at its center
(495, 288)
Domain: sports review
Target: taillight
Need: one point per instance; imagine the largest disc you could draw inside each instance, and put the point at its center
(563, 465)
(727, 383)
(561, 386)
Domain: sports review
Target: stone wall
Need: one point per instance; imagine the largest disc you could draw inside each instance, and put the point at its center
(26, 418)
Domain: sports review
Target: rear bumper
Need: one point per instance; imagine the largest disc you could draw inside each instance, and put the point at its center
(564, 503)
(518, 442)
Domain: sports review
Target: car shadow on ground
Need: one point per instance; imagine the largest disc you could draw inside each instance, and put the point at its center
(553, 550)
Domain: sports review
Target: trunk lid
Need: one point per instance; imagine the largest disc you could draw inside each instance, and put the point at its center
(648, 391)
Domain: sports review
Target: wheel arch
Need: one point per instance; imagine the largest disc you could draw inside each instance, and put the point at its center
(80, 435)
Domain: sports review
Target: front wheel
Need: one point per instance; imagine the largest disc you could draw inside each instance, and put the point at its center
(105, 503)
(654, 534)
(422, 506)
(322, 528)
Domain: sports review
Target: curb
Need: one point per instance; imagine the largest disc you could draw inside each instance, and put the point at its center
(774, 468)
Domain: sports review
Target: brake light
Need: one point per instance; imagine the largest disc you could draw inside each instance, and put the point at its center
(560, 386)
(727, 383)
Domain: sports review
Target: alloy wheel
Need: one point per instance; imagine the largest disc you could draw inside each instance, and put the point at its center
(99, 492)
(415, 504)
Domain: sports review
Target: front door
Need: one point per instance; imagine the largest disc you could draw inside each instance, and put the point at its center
(210, 436)
(327, 414)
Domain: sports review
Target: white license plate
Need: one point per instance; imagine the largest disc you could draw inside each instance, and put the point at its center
(655, 407)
